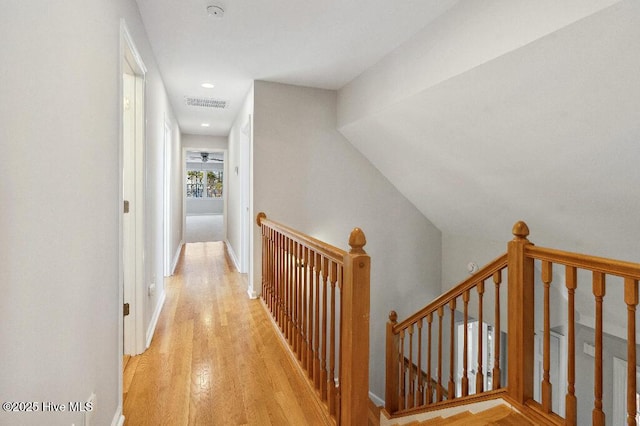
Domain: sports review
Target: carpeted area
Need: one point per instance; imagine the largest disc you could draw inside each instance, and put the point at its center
(202, 228)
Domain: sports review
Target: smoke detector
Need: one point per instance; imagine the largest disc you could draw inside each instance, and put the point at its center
(215, 11)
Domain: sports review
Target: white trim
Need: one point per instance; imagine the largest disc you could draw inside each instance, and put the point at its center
(118, 419)
(232, 254)
(252, 294)
(376, 399)
(176, 257)
(154, 319)
(166, 198)
(129, 55)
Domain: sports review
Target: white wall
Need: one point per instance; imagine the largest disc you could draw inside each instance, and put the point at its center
(202, 142)
(310, 177)
(236, 172)
(59, 264)
(203, 206)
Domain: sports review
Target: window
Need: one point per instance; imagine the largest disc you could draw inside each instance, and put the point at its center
(194, 184)
(198, 181)
(214, 184)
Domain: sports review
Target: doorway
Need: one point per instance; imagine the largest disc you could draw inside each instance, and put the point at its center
(205, 196)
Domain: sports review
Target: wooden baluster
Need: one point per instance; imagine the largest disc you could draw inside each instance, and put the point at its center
(290, 274)
(316, 339)
(598, 417)
(547, 276)
(299, 332)
(267, 289)
(393, 370)
(311, 312)
(520, 306)
(281, 282)
(264, 259)
(480, 373)
(410, 401)
(403, 401)
(452, 384)
(285, 286)
(420, 392)
(299, 299)
(429, 379)
(571, 402)
(323, 361)
(304, 254)
(272, 270)
(278, 278)
(465, 345)
(631, 299)
(295, 298)
(439, 387)
(340, 342)
(497, 280)
(333, 277)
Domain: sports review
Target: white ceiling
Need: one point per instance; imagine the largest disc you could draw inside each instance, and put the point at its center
(320, 44)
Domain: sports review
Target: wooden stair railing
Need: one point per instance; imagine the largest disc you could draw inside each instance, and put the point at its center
(405, 370)
(319, 297)
(404, 388)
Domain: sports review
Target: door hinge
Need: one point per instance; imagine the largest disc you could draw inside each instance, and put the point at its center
(126, 206)
(125, 310)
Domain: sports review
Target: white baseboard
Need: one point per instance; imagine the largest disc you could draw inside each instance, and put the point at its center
(118, 419)
(232, 254)
(252, 293)
(154, 318)
(376, 399)
(176, 257)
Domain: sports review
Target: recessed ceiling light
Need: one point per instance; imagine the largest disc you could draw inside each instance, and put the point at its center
(207, 85)
(205, 124)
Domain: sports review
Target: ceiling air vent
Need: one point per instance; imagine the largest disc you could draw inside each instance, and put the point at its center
(206, 102)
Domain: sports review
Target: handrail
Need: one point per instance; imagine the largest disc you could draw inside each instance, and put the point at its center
(582, 261)
(334, 253)
(483, 274)
(404, 360)
(319, 298)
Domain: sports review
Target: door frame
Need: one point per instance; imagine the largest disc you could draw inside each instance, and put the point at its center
(129, 56)
(166, 173)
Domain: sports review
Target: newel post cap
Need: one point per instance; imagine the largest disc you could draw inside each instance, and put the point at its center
(393, 317)
(520, 230)
(259, 217)
(357, 240)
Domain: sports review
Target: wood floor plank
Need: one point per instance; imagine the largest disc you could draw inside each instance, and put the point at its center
(215, 358)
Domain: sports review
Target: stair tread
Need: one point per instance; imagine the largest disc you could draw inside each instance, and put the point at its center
(500, 415)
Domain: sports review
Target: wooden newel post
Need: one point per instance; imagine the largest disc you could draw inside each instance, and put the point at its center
(521, 305)
(391, 385)
(354, 371)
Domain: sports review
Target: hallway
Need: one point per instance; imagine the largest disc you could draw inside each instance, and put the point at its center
(215, 358)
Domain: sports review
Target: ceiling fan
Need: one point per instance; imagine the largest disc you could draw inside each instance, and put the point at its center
(204, 157)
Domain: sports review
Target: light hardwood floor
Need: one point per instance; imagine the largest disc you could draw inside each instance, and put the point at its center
(215, 358)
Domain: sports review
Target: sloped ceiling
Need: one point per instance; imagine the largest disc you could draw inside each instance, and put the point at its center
(548, 133)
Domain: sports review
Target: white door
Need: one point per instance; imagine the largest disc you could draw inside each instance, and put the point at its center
(245, 188)
(473, 334)
(128, 218)
(557, 374)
